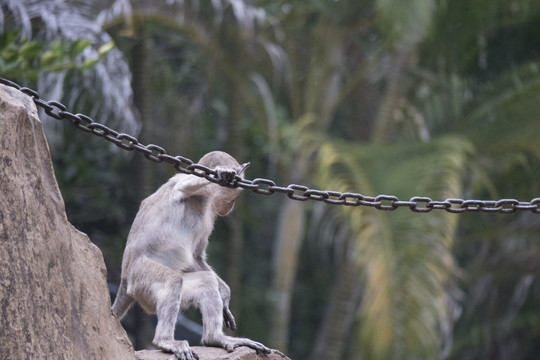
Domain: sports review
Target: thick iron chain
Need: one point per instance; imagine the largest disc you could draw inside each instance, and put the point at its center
(420, 204)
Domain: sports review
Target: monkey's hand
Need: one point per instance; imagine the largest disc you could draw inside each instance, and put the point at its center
(228, 318)
(225, 175)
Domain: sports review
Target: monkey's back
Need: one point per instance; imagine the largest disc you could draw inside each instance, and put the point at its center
(171, 228)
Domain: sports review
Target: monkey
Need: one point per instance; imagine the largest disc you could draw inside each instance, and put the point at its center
(164, 265)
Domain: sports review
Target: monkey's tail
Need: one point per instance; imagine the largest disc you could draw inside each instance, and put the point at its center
(122, 302)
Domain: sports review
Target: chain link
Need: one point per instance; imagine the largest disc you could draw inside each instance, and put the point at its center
(156, 153)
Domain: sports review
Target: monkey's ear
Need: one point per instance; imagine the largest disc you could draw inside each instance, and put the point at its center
(240, 170)
(227, 209)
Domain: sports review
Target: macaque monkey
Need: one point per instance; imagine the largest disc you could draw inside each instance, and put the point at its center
(164, 266)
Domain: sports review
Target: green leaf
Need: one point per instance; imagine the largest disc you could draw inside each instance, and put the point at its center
(7, 38)
(30, 50)
(105, 48)
(47, 58)
(77, 47)
(90, 63)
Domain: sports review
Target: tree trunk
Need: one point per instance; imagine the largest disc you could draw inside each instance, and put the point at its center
(322, 85)
(291, 224)
(235, 146)
(341, 311)
(384, 127)
(144, 328)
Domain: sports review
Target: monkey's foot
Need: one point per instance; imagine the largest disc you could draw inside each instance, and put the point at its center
(228, 318)
(229, 343)
(180, 349)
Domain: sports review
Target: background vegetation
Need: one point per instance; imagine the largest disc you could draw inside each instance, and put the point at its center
(412, 97)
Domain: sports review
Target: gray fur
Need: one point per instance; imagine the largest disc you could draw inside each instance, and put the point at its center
(164, 266)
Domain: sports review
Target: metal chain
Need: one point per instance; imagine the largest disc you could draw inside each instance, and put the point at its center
(419, 204)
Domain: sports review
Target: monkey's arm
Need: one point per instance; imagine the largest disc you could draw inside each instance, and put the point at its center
(190, 185)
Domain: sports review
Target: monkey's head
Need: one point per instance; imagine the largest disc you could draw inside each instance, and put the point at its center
(223, 198)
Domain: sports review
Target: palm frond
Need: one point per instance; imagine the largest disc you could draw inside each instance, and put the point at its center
(405, 259)
(499, 118)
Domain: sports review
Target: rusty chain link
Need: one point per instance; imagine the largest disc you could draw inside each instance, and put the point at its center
(419, 204)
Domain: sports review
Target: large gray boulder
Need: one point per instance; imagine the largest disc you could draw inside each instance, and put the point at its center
(54, 301)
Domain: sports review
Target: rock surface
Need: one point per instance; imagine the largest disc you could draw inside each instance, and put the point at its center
(211, 353)
(54, 301)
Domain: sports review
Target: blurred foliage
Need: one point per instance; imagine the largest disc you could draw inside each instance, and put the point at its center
(84, 165)
(418, 97)
(406, 258)
(25, 59)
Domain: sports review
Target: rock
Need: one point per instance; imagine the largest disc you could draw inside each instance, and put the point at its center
(54, 301)
(212, 353)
